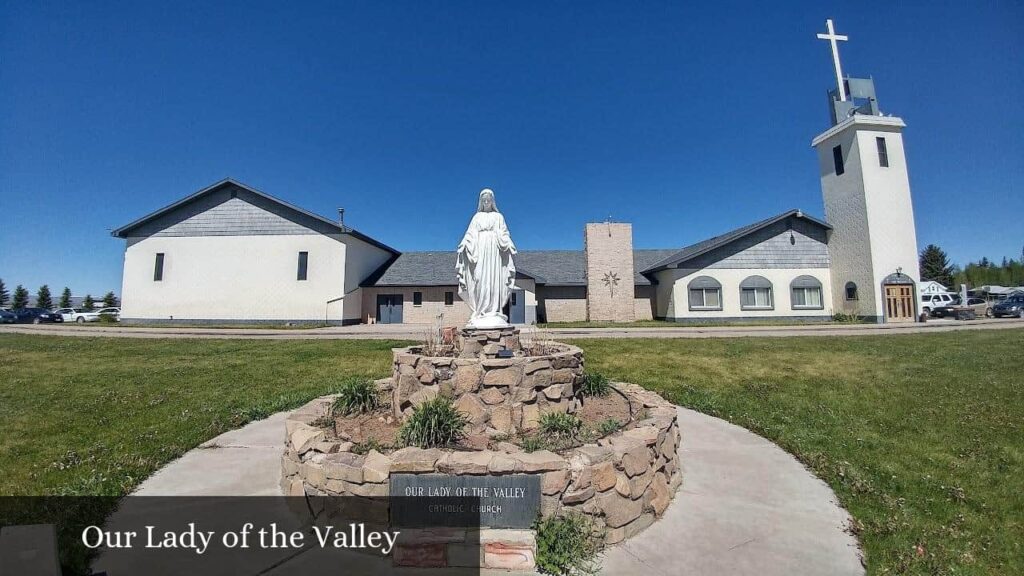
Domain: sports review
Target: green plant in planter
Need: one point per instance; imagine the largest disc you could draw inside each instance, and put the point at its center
(363, 448)
(608, 426)
(567, 545)
(595, 384)
(560, 425)
(356, 396)
(532, 444)
(436, 422)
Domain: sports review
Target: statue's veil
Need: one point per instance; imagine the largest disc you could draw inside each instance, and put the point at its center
(480, 201)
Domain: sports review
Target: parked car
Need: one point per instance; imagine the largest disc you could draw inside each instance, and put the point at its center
(930, 302)
(36, 316)
(79, 315)
(980, 306)
(1012, 306)
(7, 317)
(114, 311)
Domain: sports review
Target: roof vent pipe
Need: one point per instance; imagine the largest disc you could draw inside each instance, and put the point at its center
(341, 217)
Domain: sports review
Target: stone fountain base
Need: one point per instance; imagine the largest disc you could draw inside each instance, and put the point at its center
(623, 481)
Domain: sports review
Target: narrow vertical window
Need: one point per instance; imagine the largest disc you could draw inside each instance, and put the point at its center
(158, 268)
(449, 298)
(417, 298)
(851, 291)
(837, 159)
(303, 265)
(883, 154)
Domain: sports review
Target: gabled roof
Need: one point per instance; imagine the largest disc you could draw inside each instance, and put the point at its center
(705, 246)
(547, 267)
(125, 231)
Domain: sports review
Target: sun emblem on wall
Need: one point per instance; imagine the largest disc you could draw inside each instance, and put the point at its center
(611, 280)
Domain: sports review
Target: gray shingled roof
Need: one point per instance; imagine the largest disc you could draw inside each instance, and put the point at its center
(125, 230)
(694, 250)
(550, 267)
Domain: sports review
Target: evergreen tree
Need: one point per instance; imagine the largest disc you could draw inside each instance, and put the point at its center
(935, 266)
(109, 300)
(88, 303)
(20, 298)
(65, 298)
(43, 299)
(4, 295)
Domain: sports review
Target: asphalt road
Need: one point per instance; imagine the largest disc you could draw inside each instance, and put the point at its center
(419, 331)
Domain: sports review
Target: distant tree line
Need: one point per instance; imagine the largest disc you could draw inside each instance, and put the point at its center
(20, 298)
(935, 266)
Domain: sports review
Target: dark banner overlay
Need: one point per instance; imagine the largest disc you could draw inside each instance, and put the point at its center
(241, 535)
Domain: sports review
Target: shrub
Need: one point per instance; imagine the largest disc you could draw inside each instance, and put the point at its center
(567, 545)
(606, 427)
(595, 384)
(364, 447)
(531, 444)
(560, 425)
(107, 318)
(844, 318)
(356, 396)
(434, 423)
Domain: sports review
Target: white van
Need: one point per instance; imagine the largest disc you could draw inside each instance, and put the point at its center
(930, 302)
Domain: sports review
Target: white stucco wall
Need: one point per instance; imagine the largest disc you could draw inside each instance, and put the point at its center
(235, 278)
(869, 208)
(673, 293)
(361, 260)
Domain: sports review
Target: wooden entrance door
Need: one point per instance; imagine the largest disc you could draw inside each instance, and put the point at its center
(899, 303)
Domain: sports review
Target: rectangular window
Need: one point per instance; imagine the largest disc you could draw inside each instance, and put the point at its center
(417, 298)
(705, 299)
(883, 154)
(837, 159)
(807, 298)
(449, 298)
(754, 298)
(303, 265)
(158, 268)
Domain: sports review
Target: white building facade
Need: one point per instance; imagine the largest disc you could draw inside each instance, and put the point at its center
(232, 254)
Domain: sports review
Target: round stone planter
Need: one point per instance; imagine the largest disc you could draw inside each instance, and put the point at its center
(623, 481)
(498, 395)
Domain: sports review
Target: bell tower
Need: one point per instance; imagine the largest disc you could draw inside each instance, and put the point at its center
(866, 190)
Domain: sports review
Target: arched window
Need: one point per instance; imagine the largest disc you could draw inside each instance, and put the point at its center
(806, 293)
(756, 294)
(705, 293)
(851, 291)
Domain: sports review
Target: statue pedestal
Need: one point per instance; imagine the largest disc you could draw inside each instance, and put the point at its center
(489, 343)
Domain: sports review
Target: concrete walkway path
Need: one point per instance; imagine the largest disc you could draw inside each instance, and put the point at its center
(419, 331)
(746, 507)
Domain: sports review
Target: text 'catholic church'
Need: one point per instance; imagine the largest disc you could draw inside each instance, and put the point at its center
(231, 254)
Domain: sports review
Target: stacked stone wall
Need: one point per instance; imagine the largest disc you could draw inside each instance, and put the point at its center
(623, 482)
(498, 395)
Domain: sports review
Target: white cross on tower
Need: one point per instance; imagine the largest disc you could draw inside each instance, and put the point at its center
(833, 38)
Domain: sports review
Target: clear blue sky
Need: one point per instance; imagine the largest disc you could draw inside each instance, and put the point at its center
(687, 121)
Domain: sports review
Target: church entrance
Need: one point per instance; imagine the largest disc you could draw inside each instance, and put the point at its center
(389, 308)
(899, 302)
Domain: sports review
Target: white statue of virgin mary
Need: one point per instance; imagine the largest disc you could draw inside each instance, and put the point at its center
(484, 265)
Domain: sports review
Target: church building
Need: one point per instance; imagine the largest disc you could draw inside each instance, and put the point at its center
(232, 254)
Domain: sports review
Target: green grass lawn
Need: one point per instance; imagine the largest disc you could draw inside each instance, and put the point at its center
(99, 415)
(920, 435)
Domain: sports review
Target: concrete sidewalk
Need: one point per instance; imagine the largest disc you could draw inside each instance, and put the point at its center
(419, 331)
(746, 507)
